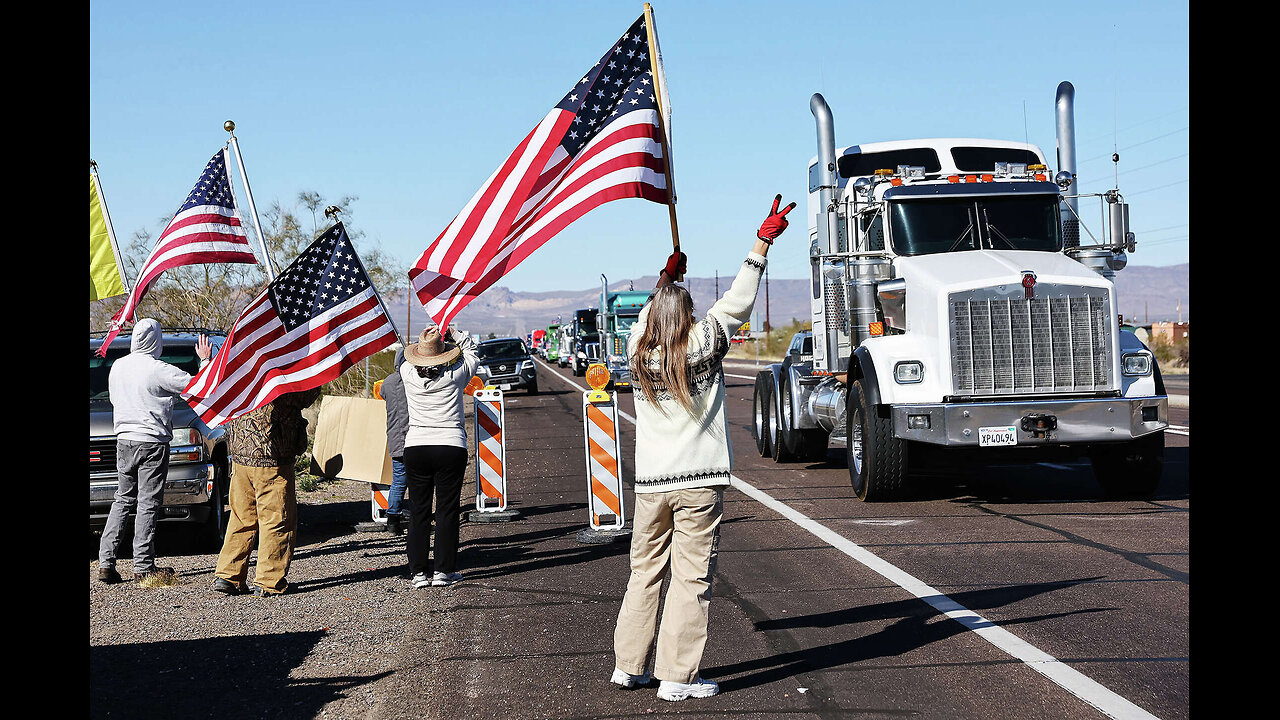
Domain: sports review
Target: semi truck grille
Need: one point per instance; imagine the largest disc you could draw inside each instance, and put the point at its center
(1059, 341)
(102, 455)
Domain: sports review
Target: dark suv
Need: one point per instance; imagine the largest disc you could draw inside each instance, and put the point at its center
(195, 490)
(506, 364)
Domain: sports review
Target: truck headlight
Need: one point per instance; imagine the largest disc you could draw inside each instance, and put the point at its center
(187, 446)
(526, 365)
(910, 371)
(1136, 364)
(482, 370)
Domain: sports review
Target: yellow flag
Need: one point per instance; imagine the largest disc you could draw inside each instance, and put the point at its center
(104, 271)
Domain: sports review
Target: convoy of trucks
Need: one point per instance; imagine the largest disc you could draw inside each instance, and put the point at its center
(619, 310)
(956, 307)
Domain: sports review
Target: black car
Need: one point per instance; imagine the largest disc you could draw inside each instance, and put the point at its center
(506, 364)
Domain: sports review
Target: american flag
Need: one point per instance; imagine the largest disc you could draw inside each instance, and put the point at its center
(318, 318)
(602, 142)
(204, 230)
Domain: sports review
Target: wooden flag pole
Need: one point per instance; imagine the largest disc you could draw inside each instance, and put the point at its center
(230, 127)
(655, 68)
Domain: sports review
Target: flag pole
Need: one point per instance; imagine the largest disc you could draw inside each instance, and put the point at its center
(659, 82)
(230, 127)
(111, 232)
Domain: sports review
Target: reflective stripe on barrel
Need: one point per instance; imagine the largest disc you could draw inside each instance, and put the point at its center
(489, 448)
(601, 444)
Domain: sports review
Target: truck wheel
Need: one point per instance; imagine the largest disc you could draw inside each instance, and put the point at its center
(216, 526)
(877, 459)
(760, 412)
(802, 444)
(777, 443)
(1129, 470)
(532, 387)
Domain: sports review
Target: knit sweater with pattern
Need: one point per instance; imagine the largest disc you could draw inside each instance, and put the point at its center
(678, 449)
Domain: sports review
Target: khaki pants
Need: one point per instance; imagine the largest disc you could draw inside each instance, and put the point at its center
(263, 503)
(681, 527)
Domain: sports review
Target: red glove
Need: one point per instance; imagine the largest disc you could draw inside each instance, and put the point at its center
(676, 264)
(773, 225)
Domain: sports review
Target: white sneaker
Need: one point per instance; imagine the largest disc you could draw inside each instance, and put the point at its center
(441, 579)
(626, 679)
(699, 688)
(421, 580)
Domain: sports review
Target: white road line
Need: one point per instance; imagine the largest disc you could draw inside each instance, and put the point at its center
(1070, 679)
(744, 377)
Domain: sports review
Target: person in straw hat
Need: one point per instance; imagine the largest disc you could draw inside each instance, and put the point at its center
(435, 372)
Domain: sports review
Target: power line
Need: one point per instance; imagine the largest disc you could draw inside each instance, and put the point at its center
(1139, 123)
(1130, 147)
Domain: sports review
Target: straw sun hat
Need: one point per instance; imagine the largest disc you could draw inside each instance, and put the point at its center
(431, 350)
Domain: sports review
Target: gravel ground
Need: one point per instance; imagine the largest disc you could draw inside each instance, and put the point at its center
(317, 652)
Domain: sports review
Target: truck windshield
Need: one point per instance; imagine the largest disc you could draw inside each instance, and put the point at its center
(626, 321)
(184, 358)
(508, 349)
(927, 226)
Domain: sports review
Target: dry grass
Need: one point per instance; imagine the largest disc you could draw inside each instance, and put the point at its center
(159, 580)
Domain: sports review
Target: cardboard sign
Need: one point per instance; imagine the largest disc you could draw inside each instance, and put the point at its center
(351, 440)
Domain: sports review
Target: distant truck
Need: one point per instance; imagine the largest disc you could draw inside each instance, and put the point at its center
(586, 340)
(550, 350)
(619, 310)
(956, 311)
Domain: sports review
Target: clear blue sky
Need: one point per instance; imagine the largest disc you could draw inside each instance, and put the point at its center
(410, 106)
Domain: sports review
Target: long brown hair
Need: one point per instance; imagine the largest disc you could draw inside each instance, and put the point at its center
(666, 330)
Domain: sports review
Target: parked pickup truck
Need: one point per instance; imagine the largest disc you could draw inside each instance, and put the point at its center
(196, 487)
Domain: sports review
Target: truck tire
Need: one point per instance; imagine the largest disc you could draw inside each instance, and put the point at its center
(215, 527)
(532, 387)
(777, 445)
(802, 444)
(1129, 470)
(760, 412)
(877, 459)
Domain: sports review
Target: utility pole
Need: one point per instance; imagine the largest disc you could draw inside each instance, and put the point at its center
(766, 299)
(717, 297)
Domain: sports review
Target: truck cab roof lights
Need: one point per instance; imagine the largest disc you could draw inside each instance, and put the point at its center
(953, 178)
(884, 173)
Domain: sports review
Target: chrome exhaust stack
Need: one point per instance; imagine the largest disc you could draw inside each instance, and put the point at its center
(1066, 132)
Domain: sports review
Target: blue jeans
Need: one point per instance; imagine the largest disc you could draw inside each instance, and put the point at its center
(399, 480)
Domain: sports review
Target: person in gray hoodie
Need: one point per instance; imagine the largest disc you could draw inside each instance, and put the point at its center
(143, 390)
(397, 426)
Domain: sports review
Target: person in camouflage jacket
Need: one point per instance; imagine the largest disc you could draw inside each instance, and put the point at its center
(263, 445)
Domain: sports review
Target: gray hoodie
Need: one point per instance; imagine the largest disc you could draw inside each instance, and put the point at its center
(143, 388)
(397, 409)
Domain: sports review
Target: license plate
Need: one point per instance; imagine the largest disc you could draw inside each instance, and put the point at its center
(997, 436)
(507, 386)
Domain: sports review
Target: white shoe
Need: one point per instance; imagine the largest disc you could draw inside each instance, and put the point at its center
(421, 580)
(626, 679)
(699, 688)
(441, 579)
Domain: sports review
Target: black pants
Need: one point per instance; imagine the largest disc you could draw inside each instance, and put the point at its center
(434, 469)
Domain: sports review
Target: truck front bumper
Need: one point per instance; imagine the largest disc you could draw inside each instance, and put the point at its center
(186, 494)
(1073, 421)
(620, 376)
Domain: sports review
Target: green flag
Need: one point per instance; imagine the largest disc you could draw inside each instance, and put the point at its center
(105, 276)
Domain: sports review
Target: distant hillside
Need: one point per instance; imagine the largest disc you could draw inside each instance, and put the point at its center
(1144, 292)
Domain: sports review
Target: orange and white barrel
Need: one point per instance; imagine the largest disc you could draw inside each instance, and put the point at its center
(379, 502)
(491, 451)
(604, 461)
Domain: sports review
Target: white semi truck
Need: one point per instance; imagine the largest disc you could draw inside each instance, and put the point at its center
(957, 311)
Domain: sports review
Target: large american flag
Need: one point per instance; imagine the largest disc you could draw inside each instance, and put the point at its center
(601, 142)
(318, 318)
(204, 230)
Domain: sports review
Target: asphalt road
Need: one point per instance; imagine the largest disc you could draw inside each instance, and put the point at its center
(1008, 592)
(825, 606)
